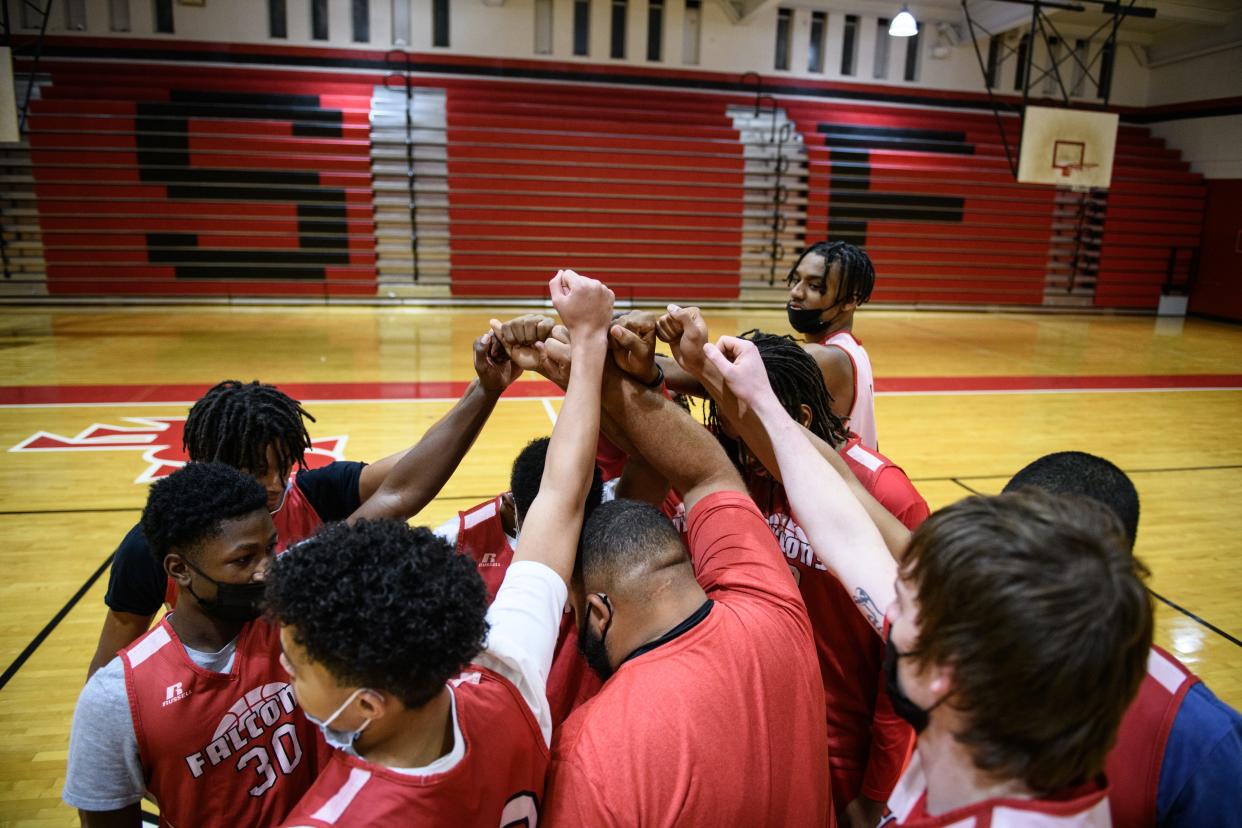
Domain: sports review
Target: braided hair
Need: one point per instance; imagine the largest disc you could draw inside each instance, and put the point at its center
(235, 422)
(857, 272)
(797, 381)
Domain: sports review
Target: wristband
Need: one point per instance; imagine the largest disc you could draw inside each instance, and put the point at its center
(658, 381)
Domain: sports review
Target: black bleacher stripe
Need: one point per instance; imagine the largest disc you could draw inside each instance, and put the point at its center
(245, 257)
(284, 274)
(204, 191)
(911, 200)
(850, 175)
(264, 98)
(938, 135)
(172, 240)
(895, 212)
(899, 144)
(303, 130)
(170, 148)
(244, 177)
(240, 112)
(323, 211)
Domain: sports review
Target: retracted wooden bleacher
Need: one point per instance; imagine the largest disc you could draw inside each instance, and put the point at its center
(639, 188)
(172, 181)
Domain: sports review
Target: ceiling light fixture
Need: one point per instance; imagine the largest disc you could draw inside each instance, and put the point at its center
(904, 24)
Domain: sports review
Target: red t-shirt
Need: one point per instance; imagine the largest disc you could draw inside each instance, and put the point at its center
(481, 535)
(1083, 807)
(723, 722)
(498, 781)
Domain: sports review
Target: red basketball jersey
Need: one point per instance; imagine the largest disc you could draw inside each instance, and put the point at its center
(219, 749)
(498, 782)
(1133, 766)
(868, 743)
(481, 535)
(295, 520)
(1083, 807)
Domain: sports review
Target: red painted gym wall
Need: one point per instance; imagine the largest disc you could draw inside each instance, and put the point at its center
(1218, 291)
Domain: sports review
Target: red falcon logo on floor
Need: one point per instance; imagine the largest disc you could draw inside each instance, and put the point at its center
(159, 439)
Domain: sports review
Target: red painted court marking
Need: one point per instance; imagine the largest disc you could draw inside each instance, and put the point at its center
(113, 394)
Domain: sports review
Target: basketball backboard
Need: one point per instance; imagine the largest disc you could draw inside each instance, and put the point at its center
(1067, 147)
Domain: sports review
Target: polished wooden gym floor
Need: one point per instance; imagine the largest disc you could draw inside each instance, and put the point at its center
(965, 400)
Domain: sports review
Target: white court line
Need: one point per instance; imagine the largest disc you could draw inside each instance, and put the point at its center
(547, 406)
(407, 400)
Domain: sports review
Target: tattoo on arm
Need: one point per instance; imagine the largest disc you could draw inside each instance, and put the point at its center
(869, 608)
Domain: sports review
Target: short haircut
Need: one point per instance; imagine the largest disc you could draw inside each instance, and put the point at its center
(527, 474)
(625, 538)
(235, 422)
(1038, 607)
(857, 272)
(1079, 474)
(796, 379)
(188, 506)
(381, 605)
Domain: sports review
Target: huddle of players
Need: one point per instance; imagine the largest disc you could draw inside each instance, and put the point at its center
(657, 665)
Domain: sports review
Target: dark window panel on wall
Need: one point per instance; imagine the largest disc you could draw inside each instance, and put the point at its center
(849, 45)
(319, 19)
(784, 27)
(819, 31)
(439, 22)
(118, 15)
(617, 46)
(655, 29)
(277, 19)
(1080, 77)
(164, 16)
(994, 47)
(1024, 60)
(1108, 55)
(879, 65)
(582, 27)
(912, 58)
(362, 21)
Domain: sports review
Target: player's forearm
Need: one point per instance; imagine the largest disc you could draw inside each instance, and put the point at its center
(674, 444)
(840, 531)
(679, 379)
(571, 453)
(420, 473)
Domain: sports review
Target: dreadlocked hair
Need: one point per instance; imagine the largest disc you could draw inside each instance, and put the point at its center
(235, 422)
(857, 272)
(797, 381)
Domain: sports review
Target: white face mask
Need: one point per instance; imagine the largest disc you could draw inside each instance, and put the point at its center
(339, 739)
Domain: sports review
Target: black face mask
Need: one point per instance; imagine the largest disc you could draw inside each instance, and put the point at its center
(593, 649)
(235, 603)
(806, 320)
(903, 705)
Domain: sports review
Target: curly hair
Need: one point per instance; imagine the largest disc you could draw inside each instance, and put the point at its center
(857, 272)
(1038, 606)
(188, 506)
(235, 422)
(797, 381)
(382, 605)
(1079, 474)
(527, 474)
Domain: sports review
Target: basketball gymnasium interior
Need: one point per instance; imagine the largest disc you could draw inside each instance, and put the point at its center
(336, 197)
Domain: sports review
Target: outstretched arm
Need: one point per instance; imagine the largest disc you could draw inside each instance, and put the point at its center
(401, 485)
(685, 331)
(550, 530)
(836, 524)
(673, 443)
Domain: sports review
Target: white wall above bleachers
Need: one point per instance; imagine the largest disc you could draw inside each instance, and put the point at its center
(506, 29)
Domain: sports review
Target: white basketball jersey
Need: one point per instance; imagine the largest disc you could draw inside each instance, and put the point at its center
(862, 413)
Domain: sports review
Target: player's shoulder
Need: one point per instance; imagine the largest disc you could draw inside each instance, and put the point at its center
(105, 691)
(133, 541)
